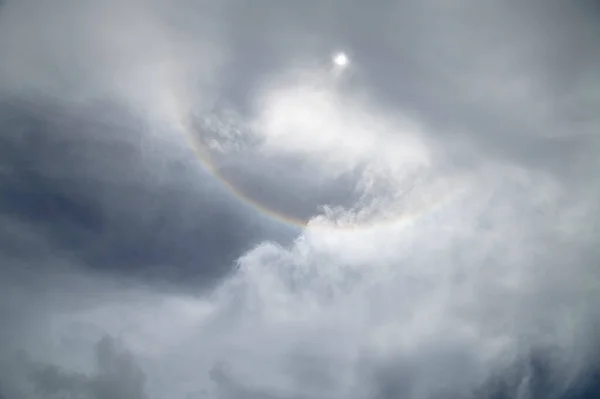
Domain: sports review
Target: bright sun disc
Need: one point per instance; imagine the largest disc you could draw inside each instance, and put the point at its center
(341, 59)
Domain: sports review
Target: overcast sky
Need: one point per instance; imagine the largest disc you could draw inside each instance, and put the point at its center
(197, 201)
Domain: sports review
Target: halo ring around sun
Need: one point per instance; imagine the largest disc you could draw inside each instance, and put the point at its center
(192, 136)
(320, 221)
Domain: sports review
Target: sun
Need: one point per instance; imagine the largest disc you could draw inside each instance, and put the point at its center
(340, 60)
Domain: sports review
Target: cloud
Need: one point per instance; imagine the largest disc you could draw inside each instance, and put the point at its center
(136, 51)
(436, 74)
(116, 375)
(456, 254)
(78, 182)
(381, 311)
(323, 139)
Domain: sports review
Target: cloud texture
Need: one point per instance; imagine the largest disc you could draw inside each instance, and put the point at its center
(448, 178)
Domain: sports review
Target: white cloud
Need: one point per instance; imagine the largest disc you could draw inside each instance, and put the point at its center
(433, 307)
(311, 120)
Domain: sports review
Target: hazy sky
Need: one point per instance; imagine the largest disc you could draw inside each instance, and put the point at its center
(197, 201)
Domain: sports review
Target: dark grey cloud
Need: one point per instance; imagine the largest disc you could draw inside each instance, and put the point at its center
(79, 179)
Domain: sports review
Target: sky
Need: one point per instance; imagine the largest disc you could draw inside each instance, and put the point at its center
(199, 200)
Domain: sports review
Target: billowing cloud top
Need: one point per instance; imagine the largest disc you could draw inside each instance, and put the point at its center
(202, 199)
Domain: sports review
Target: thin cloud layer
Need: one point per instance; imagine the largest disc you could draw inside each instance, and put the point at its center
(448, 174)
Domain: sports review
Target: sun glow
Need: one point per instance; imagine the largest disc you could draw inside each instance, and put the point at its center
(341, 60)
